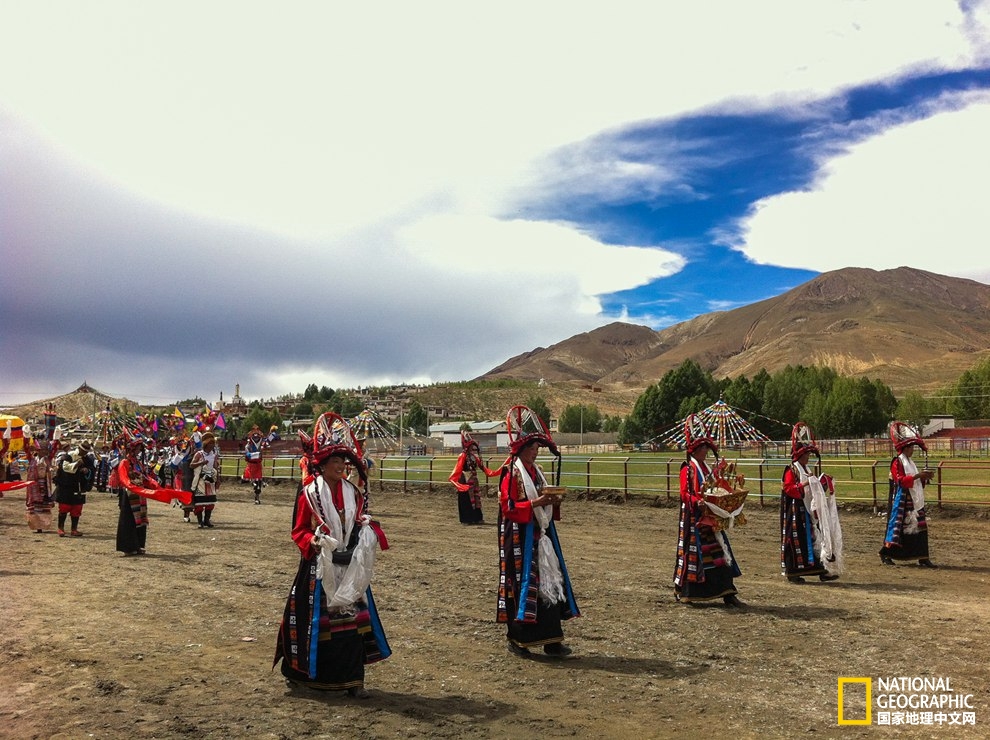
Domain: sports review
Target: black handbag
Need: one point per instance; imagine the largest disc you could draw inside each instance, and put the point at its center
(342, 557)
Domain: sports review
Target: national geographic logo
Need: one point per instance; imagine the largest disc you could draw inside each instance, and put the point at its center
(868, 684)
(904, 700)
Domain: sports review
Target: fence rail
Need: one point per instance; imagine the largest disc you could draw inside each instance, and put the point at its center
(957, 480)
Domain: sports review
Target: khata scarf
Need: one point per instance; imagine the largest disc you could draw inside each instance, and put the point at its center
(825, 516)
(917, 491)
(344, 584)
(551, 577)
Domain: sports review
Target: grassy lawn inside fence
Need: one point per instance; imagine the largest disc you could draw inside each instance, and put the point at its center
(857, 479)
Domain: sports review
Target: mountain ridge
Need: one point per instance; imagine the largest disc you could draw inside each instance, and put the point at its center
(911, 329)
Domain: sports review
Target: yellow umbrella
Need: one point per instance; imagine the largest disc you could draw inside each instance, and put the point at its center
(12, 428)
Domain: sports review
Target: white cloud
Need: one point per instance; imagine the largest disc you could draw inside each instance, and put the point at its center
(334, 184)
(534, 259)
(317, 118)
(911, 195)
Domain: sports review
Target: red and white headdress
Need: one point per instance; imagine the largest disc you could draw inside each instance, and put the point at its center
(904, 435)
(332, 436)
(467, 441)
(696, 435)
(525, 426)
(802, 441)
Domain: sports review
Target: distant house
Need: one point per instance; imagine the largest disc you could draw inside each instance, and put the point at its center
(490, 435)
(937, 424)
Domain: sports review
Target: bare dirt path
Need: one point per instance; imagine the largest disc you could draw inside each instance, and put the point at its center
(178, 644)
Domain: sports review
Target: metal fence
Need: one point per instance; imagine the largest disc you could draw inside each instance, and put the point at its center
(858, 480)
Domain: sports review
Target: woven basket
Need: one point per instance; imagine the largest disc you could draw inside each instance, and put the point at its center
(727, 501)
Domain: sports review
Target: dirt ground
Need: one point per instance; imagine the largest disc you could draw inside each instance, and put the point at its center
(179, 643)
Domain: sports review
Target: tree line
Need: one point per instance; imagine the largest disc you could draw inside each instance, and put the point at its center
(835, 406)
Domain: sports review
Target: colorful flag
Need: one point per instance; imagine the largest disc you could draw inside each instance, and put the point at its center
(221, 423)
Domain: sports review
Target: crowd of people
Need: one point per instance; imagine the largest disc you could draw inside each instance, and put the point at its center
(331, 627)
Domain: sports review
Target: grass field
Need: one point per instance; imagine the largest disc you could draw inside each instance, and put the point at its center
(857, 479)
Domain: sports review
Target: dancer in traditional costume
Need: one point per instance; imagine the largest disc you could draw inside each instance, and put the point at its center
(132, 523)
(182, 455)
(330, 628)
(102, 480)
(252, 456)
(534, 593)
(39, 499)
(206, 479)
(705, 566)
(74, 474)
(810, 536)
(135, 482)
(906, 537)
(465, 480)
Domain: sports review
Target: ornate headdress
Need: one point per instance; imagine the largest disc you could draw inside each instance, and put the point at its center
(696, 435)
(802, 441)
(903, 435)
(467, 441)
(332, 436)
(524, 427)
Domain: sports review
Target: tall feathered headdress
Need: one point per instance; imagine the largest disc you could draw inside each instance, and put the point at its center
(696, 434)
(332, 436)
(525, 426)
(903, 435)
(803, 440)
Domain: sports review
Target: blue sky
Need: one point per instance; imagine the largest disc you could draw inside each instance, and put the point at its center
(194, 196)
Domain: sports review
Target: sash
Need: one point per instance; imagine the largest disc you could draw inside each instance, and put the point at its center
(551, 576)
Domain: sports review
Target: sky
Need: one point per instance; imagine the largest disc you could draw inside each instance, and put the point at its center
(196, 196)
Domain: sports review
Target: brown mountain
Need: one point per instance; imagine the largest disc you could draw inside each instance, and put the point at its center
(911, 329)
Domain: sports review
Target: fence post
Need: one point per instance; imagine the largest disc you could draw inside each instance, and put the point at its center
(938, 484)
(873, 473)
(587, 475)
(666, 483)
(625, 478)
(429, 486)
(762, 461)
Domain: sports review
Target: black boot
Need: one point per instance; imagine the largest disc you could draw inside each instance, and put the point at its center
(199, 518)
(61, 524)
(206, 518)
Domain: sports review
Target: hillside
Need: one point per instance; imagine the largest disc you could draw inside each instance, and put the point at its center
(911, 329)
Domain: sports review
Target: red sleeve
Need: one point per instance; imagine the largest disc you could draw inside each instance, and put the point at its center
(125, 479)
(792, 484)
(515, 507)
(688, 496)
(897, 473)
(455, 476)
(304, 527)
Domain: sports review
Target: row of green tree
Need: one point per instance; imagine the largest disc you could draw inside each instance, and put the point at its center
(835, 406)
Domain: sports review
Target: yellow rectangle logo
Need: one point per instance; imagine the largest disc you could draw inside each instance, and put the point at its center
(868, 684)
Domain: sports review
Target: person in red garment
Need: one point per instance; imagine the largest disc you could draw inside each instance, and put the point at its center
(252, 457)
(809, 527)
(39, 500)
(705, 568)
(135, 481)
(465, 480)
(534, 595)
(906, 536)
(330, 628)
